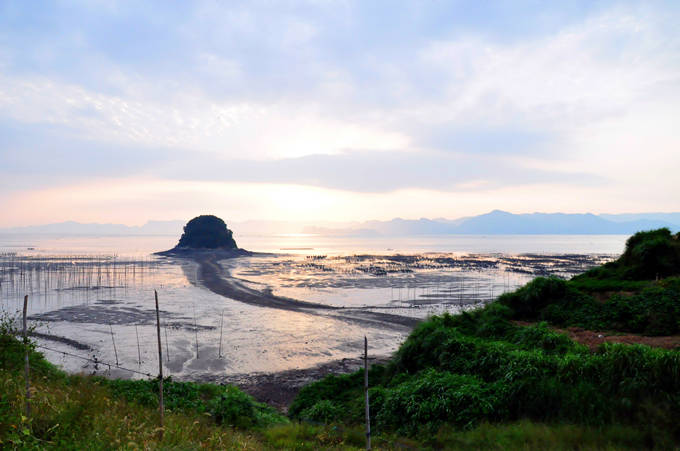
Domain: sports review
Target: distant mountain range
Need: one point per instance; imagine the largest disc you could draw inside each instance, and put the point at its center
(500, 222)
(496, 222)
(78, 228)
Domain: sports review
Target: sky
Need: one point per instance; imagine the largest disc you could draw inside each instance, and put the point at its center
(125, 112)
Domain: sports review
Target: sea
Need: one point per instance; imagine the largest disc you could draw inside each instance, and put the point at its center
(91, 299)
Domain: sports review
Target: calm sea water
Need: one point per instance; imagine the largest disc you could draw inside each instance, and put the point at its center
(316, 244)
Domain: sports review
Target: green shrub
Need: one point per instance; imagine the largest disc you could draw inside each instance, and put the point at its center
(333, 388)
(651, 254)
(323, 411)
(423, 403)
(233, 407)
(541, 337)
(227, 404)
(648, 255)
(528, 301)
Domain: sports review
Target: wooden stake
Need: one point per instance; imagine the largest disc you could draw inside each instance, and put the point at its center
(167, 349)
(219, 354)
(368, 414)
(139, 350)
(26, 366)
(196, 331)
(160, 365)
(115, 351)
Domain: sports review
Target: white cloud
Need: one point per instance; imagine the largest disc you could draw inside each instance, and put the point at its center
(191, 122)
(590, 71)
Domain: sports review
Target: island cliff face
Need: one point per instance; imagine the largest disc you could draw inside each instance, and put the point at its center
(206, 232)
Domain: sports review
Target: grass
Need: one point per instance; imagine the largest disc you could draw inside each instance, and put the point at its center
(524, 435)
(79, 412)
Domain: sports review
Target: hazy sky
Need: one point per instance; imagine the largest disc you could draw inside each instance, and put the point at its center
(338, 110)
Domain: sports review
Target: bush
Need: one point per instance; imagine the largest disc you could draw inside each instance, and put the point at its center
(539, 336)
(528, 301)
(422, 404)
(227, 404)
(339, 389)
(233, 407)
(651, 254)
(323, 411)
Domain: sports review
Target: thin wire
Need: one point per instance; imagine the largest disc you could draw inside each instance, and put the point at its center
(94, 361)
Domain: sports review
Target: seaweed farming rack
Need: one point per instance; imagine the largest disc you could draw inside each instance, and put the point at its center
(81, 275)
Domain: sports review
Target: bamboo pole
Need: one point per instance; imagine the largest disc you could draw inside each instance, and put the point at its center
(160, 365)
(368, 414)
(26, 365)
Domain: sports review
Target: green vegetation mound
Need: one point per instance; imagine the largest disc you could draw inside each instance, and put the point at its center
(206, 232)
(638, 293)
(648, 255)
(484, 367)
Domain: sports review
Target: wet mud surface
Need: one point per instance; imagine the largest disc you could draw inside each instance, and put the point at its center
(106, 312)
(218, 280)
(346, 271)
(211, 275)
(64, 340)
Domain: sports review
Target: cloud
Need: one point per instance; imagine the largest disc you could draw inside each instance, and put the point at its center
(190, 124)
(357, 96)
(379, 172)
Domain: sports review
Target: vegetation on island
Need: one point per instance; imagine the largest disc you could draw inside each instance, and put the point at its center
(206, 232)
(499, 377)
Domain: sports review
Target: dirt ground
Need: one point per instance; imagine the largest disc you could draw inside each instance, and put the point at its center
(593, 338)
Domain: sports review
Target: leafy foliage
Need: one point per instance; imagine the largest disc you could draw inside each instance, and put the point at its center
(424, 403)
(648, 255)
(651, 255)
(653, 310)
(623, 295)
(323, 411)
(225, 403)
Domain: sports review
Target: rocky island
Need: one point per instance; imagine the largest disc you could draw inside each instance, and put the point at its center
(206, 233)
